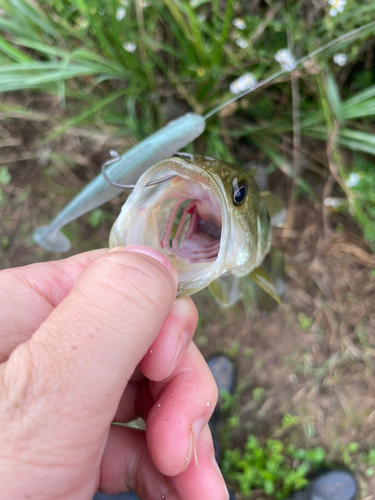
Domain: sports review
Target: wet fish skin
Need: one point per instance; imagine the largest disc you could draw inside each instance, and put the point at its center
(252, 214)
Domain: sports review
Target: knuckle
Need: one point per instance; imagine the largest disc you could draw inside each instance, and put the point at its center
(33, 388)
(19, 376)
(22, 390)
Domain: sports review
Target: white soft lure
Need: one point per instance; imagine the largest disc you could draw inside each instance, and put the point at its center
(130, 166)
(167, 141)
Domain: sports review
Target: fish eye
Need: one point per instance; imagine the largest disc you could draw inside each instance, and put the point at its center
(239, 191)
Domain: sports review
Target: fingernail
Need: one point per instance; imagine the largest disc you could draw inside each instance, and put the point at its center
(195, 430)
(182, 344)
(219, 474)
(150, 252)
(190, 450)
(197, 427)
(206, 439)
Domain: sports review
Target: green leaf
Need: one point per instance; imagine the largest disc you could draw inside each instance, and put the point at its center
(96, 217)
(12, 52)
(304, 321)
(333, 97)
(258, 394)
(81, 117)
(371, 457)
(360, 97)
(370, 472)
(353, 447)
(26, 10)
(317, 454)
(269, 487)
(4, 241)
(5, 176)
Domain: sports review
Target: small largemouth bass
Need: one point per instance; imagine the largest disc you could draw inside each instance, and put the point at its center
(209, 219)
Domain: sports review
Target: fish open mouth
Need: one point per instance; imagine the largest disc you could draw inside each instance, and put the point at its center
(184, 217)
(193, 210)
(190, 227)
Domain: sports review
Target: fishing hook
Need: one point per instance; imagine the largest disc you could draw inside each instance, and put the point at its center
(129, 186)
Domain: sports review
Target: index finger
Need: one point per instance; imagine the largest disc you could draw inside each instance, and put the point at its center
(29, 294)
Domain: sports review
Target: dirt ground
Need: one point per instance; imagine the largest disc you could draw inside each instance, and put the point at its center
(314, 356)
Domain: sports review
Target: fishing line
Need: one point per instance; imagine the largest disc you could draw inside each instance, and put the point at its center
(130, 186)
(281, 72)
(162, 144)
(219, 107)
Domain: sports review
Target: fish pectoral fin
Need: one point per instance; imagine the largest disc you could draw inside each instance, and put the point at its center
(261, 278)
(226, 290)
(275, 207)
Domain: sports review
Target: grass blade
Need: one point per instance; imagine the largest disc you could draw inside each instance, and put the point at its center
(82, 116)
(333, 96)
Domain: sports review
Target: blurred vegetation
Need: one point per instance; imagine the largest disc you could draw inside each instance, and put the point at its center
(134, 64)
(278, 468)
(270, 466)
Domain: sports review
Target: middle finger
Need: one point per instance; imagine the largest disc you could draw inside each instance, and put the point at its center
(184, 403)
(170, 345)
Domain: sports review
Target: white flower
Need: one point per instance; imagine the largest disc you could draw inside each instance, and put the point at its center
(83, 23)
(247, 81)
(286, 59)
(352, 180)
(144, 3)
(337, 6)
(340, 59)
(129, 46)
(239, 23)
(202, 17)
(120, 13)
(335, 202)
(241, 42)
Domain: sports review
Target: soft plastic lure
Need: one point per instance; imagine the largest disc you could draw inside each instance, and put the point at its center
(167, 141)
(130, 166)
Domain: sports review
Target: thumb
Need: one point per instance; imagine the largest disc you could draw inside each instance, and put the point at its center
(82, 356)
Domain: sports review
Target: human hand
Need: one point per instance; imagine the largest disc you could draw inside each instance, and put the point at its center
(91, 339)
